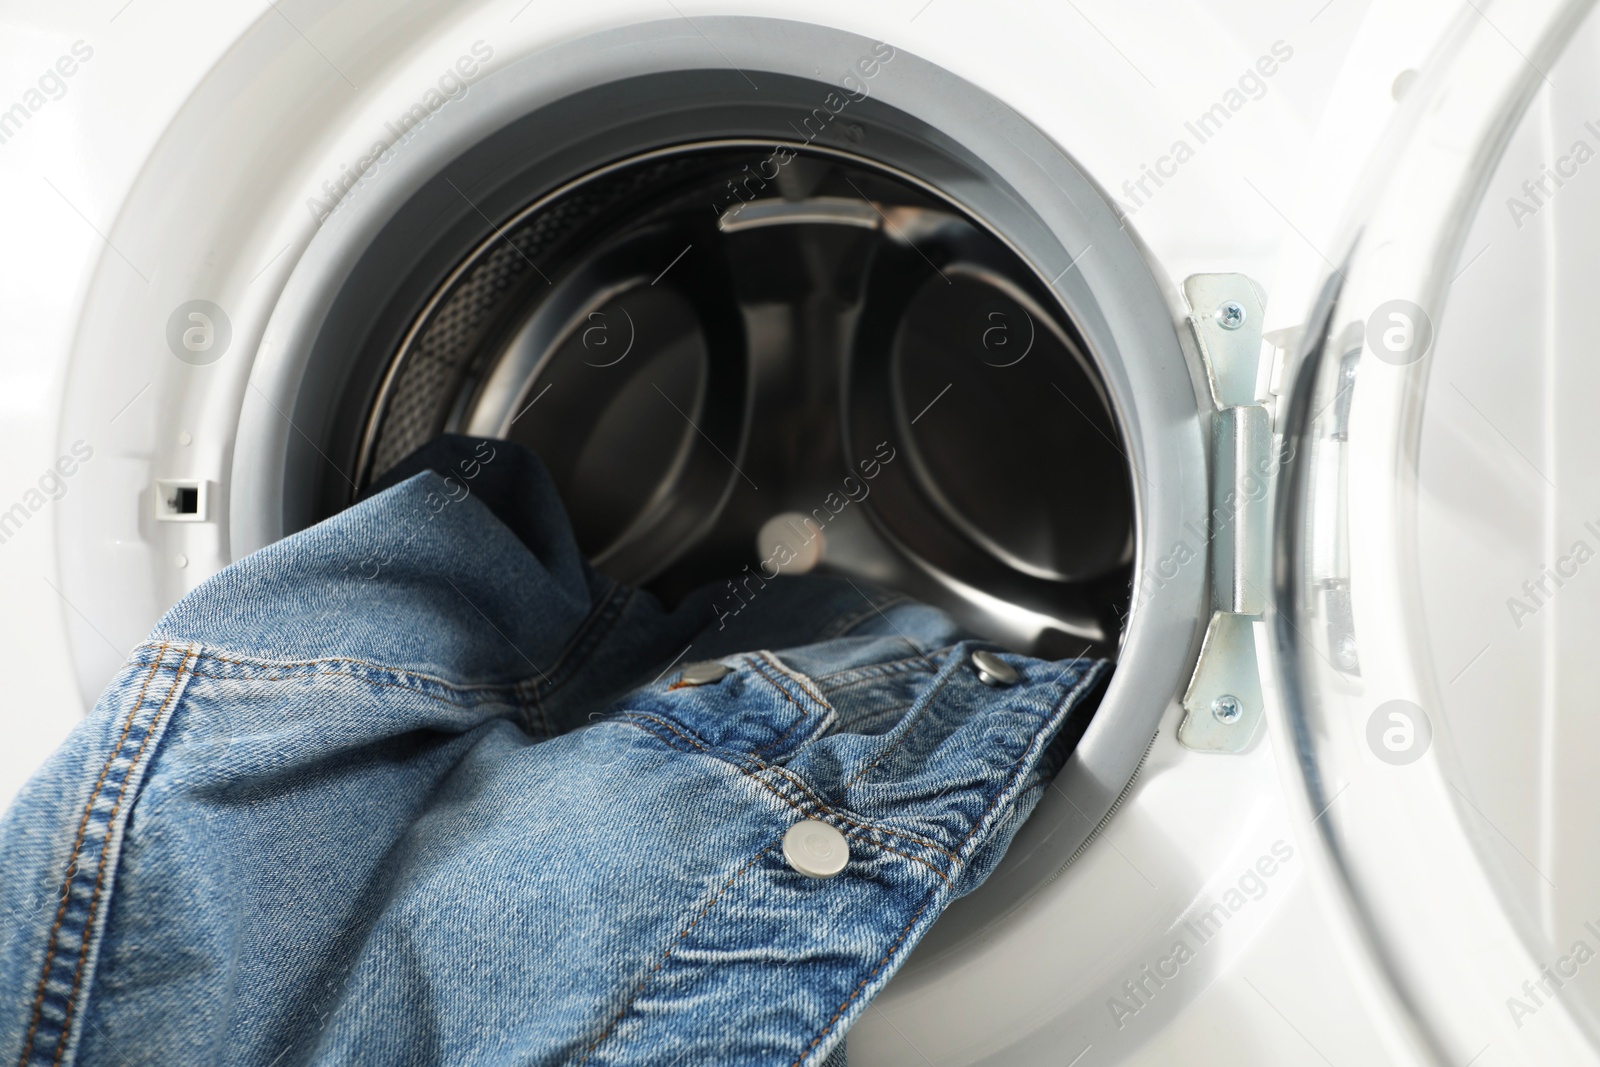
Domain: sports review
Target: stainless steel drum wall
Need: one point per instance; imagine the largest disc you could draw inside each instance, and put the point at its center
(691, 362)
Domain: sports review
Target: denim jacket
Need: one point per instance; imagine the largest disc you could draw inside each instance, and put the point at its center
(417, 785)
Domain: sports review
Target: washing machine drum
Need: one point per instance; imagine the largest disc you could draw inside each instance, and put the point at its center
(916, 325)
(706, 341)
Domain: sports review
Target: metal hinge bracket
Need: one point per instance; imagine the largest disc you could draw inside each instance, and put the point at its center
(1223, 703)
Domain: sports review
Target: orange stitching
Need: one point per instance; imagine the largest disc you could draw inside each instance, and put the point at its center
(945, 878)
(794, 676)
(1016, 766)
(863, 983)
(663, 738)
(72, 861)
(1011, 775)
(785, 735)
(862, 836)
(865, 829)
(695, 741)
(905, 731)
(820, 803)
(877, 715)
(100, 871)
(904, 933)
(759, 673)
(662, 961)
(789, 775)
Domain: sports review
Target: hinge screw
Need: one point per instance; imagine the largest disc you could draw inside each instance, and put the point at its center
(1226, 709)
(1230, 316)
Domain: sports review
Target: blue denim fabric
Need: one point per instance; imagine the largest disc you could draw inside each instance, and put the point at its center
(418, 786)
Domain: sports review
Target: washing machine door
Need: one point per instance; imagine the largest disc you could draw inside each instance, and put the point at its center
(1435, 605)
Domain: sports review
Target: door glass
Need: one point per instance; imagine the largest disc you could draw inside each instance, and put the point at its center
(1508, 514)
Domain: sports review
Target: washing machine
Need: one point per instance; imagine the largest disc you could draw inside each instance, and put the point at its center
(1238, 343)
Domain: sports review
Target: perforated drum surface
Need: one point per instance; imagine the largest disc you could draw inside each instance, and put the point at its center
(440, 349)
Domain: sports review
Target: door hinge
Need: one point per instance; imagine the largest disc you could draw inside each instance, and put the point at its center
(1223, 703)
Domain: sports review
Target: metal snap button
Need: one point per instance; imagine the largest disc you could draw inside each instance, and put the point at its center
(992, 670)
(704, 673)
(815, 849)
